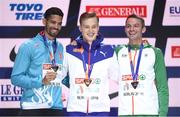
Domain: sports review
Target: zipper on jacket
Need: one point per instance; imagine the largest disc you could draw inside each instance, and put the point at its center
(87, 106)
(132, 105)
(89, 59)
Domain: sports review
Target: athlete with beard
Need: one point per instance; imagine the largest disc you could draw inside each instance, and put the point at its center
(143, 89)
(38, 69)
(90, 65)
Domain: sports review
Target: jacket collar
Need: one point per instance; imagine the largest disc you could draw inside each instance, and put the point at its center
(95, 44)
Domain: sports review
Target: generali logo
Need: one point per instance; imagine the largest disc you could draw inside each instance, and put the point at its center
(117, 11)
(175, 51)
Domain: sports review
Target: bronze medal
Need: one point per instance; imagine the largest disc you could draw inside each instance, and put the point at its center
(134, 84)
(87, 82)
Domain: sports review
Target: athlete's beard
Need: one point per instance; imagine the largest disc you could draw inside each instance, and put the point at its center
(52, 33)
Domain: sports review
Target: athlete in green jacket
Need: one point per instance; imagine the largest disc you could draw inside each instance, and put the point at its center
(143, 89)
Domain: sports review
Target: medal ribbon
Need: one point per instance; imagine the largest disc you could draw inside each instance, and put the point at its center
(90, 67)
(52, 49)
(134, 75)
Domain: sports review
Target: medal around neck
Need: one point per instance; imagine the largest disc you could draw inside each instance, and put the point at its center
(55, 68)
(134, 84)
(87, 82)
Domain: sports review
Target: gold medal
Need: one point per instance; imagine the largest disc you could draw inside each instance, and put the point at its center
(87, 82)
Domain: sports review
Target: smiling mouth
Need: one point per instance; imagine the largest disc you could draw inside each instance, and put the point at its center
(132, 33)
(91, 35)
(55, 30)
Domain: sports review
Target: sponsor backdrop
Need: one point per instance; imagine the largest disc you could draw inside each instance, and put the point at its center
(21, 20)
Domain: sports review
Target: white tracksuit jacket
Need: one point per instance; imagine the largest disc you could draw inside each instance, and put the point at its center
(92, 98)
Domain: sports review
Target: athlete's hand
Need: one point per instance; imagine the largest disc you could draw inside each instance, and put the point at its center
(73, 42)
(49, 77)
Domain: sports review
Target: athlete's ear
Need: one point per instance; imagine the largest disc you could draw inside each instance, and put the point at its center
(44, 21)
(80, 28)
(144, 29)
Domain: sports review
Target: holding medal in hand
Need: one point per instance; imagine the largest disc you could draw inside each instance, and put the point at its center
(50, 76)
(36, 69)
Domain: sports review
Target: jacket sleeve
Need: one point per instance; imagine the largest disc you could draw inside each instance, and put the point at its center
(65, 80)
(161, 82)
(20, 75)
(114, 71)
